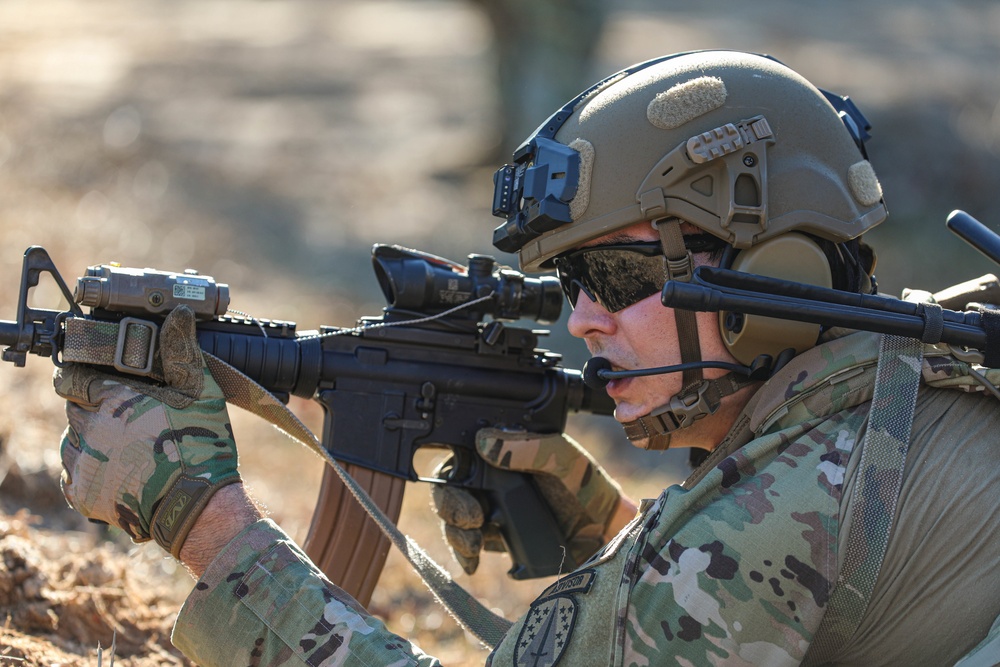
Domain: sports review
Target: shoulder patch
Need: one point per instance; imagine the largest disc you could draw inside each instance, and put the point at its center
(547, 628)
(577, 582)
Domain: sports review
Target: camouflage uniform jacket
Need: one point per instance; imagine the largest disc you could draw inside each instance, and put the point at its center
(733, 567)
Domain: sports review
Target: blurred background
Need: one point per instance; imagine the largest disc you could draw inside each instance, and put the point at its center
(270, 144)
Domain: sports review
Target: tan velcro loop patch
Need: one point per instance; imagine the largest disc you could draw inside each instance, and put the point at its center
(863, 183)
(686, 101)
(581, 200)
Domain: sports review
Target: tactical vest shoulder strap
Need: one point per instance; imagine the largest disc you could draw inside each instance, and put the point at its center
(873, 504)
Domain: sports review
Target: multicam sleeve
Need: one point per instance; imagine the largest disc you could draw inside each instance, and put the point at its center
(262, 602)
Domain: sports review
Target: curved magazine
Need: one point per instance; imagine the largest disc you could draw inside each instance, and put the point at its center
(343, 541)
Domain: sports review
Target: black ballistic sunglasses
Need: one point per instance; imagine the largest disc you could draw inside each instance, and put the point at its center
(618, 275)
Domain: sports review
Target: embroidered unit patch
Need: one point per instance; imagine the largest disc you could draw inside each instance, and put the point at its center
(546, 630)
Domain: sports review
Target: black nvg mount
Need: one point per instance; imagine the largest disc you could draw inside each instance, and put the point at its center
(441, 362)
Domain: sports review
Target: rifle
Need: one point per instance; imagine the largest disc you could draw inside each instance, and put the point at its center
(431, 371)
(437, 365)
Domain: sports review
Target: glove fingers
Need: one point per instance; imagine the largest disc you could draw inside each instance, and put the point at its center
(80, 471)
(456, 507)
(465, 546)
(117, 396)
(492, 540)
(469, 565)
(462, 516)
(76, 383)
(66, 484)
(180, 354)
(69, 452)
(86, 388)
(77, 417)
(179, 358)
(581, 495)
(466, 543)
(69, 449)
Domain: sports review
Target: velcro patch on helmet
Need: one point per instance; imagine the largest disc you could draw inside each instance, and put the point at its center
(581, 200)
(686, 101)
(863, 182)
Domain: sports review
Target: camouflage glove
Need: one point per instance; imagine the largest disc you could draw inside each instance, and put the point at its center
(582, 496)
(147, 457)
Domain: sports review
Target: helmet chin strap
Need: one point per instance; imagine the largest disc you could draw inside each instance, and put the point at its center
(684, 409)
(698, 397)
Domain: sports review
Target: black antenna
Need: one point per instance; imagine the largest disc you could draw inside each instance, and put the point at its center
(975, 233)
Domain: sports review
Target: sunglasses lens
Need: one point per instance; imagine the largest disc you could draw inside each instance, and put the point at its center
(614, 276)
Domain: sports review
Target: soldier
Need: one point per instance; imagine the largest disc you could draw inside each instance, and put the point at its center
(824, 526)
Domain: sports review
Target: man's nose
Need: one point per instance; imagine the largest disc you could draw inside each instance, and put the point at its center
(589, 319)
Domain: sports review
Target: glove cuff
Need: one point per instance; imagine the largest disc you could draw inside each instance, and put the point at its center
(180, 508)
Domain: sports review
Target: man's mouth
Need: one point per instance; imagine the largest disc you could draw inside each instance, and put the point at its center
(616, 387)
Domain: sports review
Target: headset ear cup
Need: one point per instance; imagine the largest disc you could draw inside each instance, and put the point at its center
(793, 257)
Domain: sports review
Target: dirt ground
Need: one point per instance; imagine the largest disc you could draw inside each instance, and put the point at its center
(270, 144)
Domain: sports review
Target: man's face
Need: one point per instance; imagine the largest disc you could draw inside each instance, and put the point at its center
(644, 335)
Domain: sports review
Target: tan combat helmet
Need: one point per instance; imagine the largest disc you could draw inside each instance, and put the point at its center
(735, 144)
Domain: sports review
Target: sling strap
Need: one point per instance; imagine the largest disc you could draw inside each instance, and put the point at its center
(875, 494)
(127, 347)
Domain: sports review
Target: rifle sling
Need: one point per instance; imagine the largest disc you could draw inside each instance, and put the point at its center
(98, 342)
(876, 491)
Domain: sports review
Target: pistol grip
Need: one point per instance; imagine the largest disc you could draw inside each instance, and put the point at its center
(528, 526)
